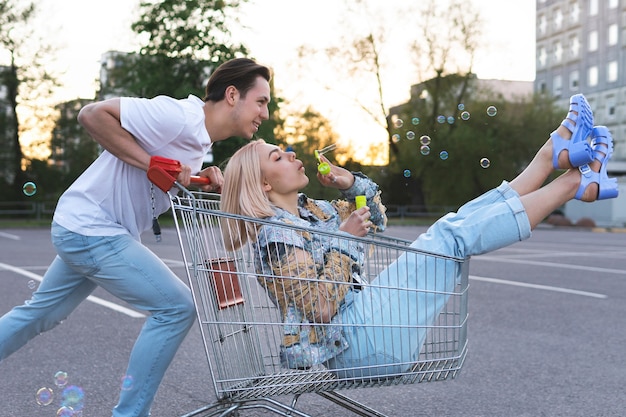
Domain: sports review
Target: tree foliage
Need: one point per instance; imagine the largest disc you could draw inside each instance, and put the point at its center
(479, 150)
(186, 40)
(28, 85)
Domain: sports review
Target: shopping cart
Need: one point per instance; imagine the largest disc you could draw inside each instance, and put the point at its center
(242, 328)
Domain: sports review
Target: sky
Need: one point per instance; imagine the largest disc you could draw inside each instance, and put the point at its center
(82, 30)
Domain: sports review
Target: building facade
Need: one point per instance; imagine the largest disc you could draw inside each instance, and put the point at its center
(581, 48)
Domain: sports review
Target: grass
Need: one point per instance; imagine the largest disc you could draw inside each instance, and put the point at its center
(23, 223)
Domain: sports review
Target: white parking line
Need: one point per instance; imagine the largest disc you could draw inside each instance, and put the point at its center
(538, 287)
(550, 264)
(113, 306)
(9, 236)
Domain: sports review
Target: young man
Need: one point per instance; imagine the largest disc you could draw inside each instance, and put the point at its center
(98, 221)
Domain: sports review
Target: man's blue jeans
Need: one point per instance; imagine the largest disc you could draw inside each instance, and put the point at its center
(127, 269)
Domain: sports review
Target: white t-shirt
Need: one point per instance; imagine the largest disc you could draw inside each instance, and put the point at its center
(112, 197)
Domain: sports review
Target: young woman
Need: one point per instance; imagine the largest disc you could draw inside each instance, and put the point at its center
(263, 181)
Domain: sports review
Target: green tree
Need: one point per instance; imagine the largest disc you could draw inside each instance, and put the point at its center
(72, 149)
(505, 143)
(27, 85)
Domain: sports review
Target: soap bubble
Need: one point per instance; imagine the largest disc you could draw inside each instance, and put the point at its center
(407, 173)
(492, 111)
(425, 140)
(465, 115)
(398, 123)
(65, 412)
(127, 383)
(410, 135)
(441, 119)
(29, 188)
(425, 150)
(73, 397)
(485, 163)
(44, 396)
(443, 155)
(60, 379)
(415, 121)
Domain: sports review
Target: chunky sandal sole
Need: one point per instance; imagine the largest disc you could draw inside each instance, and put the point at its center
(603, 149)
(579, 150)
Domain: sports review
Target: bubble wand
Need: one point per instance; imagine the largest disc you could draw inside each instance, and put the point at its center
(323, 167)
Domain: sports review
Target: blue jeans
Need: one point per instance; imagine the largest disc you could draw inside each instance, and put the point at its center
(127, 269)
(384, 324)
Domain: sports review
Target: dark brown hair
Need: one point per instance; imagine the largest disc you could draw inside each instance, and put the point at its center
(239, 72)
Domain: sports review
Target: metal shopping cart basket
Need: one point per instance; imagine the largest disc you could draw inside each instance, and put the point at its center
(242, 328)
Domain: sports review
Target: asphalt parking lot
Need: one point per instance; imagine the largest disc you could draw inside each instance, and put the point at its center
(546, 336)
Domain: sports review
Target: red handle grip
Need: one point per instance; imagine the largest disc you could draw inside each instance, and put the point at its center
(200, 180)
(163, 172)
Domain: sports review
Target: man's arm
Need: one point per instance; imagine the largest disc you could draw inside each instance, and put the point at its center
(102, 122)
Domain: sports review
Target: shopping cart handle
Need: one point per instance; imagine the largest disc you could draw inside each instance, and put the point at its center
(162, 179)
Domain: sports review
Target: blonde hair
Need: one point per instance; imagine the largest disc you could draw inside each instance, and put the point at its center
(242, 194)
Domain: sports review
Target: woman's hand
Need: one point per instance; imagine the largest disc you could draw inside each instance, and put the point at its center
(358, 223)
(339, 178)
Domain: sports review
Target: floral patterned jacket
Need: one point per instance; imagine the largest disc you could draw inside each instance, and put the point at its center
(299, 268)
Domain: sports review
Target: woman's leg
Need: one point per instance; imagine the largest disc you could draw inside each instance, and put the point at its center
(496, 219)
(537, 172)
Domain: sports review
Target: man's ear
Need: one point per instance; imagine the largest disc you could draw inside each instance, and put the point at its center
(231, 94)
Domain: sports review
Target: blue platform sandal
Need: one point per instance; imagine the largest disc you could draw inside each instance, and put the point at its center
(578, 148)
(602, 143)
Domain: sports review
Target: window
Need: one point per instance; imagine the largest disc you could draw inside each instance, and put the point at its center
(611, 104)
(542, 57)
(542, 87)
(611, 72)
(558, 19)
(573, 80)
(613, 34)
(574, 46)
(593, 41)
(574, 12)
(541, 24)
(593, 7)
(613, 4)
(557, 85)
(558, 52)
(592, 76)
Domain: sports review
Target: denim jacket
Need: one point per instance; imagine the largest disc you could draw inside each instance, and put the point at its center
(297, 268)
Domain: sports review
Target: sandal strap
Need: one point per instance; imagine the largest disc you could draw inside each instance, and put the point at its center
(601, 143)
